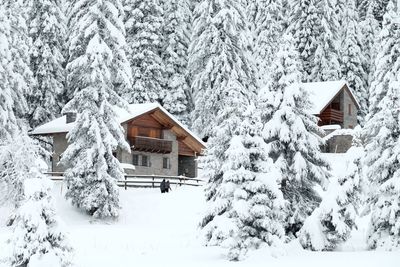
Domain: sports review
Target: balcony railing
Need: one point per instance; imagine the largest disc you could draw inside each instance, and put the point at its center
(153, 145)
(332, 115)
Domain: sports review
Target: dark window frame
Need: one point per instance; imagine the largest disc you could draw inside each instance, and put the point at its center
(166, 163)
(135, 159)
(145, 161)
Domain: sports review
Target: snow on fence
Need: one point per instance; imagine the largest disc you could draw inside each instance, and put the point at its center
(131, 180)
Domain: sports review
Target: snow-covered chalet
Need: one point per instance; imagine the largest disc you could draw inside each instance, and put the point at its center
(336, 106)
(161, 145)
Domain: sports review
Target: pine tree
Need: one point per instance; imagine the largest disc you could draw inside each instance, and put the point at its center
(380, 8)
(267, 20)
(382, 131)
(314, 26)
(293, 136)
(326, 66)
(353, 60)
(217, 52)
(47, 29)
(382, 161)
(177, 99)
(362, 7)
(19, 44)
(143, 23)
(305, 28)
(19, 155)
(369, 33)
(36, 228)
(388, 47)
(97, 70)
(7, 117)
(8, 121)
(12, 100)
(244, 202)
(331, 223)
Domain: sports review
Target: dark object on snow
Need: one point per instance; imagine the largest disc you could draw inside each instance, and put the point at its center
(167, 186)
(163, 186)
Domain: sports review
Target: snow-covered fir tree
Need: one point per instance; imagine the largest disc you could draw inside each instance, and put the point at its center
(97, 69)
(332, 222)
(382, 153)
(12, 100)
(245, 205)
(293, 136)
(369, 34)
(144, 36)
(37, 232)
(177, 24)
(380, 8)
(305, 28)
(314, 25)
(382, 130)
(267, 25)
(388, 47)
(7, 117)
(47, 29)
(326, 66)
(362, 7)
(19, 44)
(352, 58)
(14, 168)
(217, 52)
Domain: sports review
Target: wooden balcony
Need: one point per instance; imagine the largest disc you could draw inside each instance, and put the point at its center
(331, 115)
(152, 145)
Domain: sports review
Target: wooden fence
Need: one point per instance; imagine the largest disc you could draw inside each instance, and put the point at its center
(134, 180)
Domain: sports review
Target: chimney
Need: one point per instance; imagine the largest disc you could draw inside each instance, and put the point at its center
(71, 116)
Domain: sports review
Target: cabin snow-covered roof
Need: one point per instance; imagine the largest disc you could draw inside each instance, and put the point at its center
(322, 93)
(60, 124)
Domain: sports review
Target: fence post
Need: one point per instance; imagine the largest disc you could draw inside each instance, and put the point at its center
(125, 181)
(153, 180)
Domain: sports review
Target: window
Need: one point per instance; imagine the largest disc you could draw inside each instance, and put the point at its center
(166, 163)
(349, 109)
(135, 160)
(145, 161)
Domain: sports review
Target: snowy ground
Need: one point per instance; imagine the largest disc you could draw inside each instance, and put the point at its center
(161, 230)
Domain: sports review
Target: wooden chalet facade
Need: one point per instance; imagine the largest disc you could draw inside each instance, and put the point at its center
(160, 144)
(337, 108)
(333, 103)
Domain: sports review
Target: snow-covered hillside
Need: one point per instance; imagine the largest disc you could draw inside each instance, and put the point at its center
(157, 229)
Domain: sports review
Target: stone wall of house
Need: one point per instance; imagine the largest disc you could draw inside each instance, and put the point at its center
(349, 120)
(59, 146)
(155, 159)
(338, 144)
(187, 166)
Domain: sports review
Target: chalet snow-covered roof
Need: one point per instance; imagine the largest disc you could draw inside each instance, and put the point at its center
(60, 124)
(322, 93)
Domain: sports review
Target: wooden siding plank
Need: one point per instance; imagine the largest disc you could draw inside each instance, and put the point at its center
(184, 150)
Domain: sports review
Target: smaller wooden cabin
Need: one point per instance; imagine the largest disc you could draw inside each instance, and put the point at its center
(160, 144)
(333, 103)
(336, 107)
